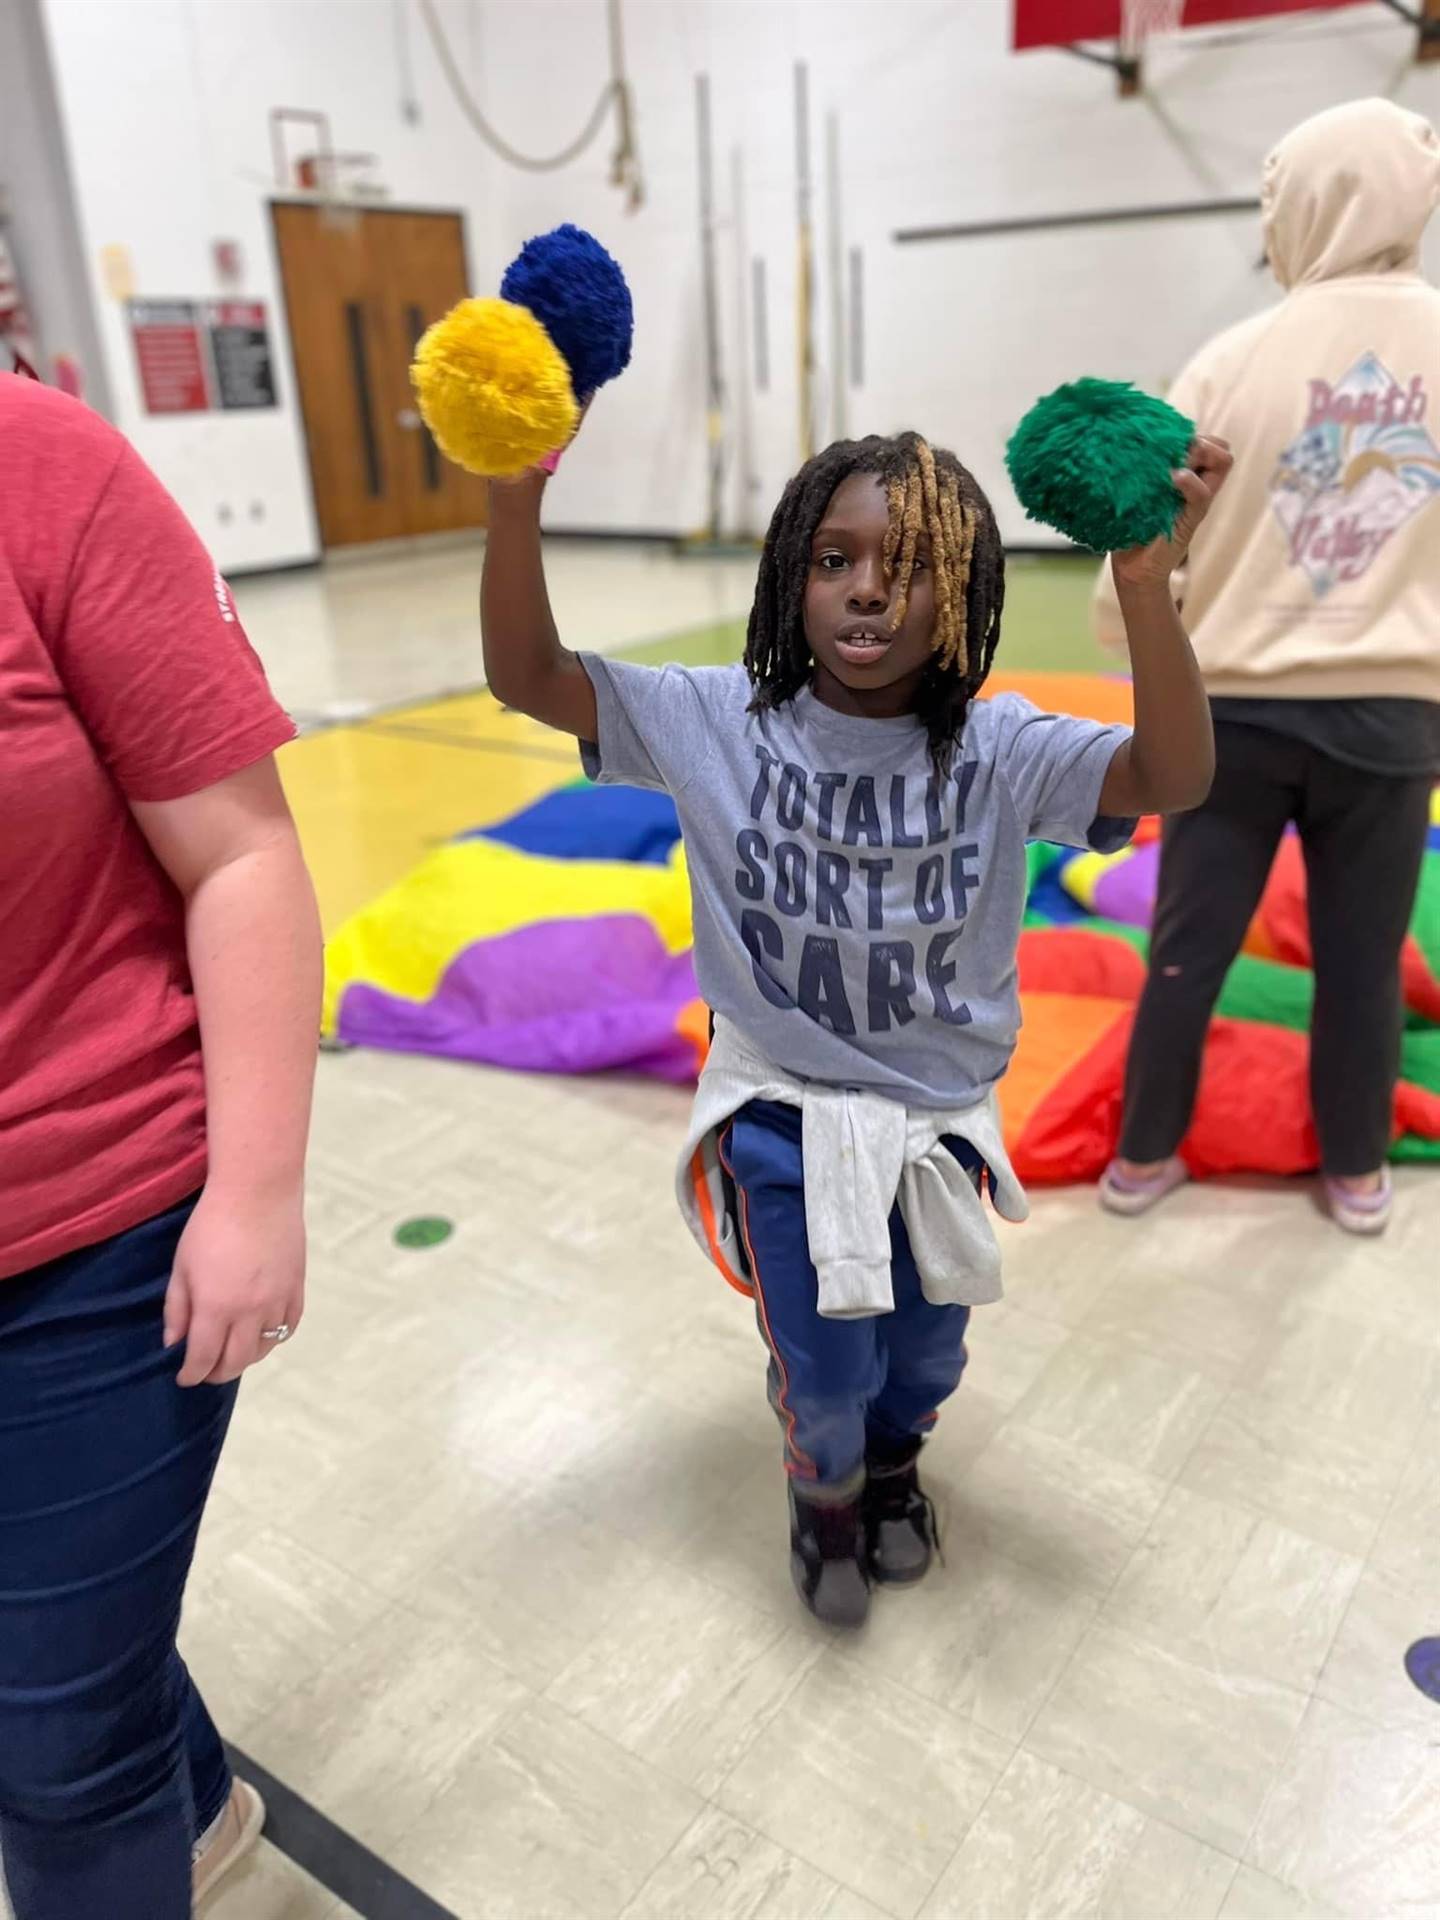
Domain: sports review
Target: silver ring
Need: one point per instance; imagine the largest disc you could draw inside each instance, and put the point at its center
(277, 1334)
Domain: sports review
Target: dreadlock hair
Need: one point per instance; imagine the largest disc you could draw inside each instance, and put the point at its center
(929, 491)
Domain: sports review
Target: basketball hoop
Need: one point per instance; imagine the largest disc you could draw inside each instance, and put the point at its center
(1142, 21)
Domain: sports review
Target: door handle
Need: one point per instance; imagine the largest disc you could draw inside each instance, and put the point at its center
(430, 469)
(364, 406)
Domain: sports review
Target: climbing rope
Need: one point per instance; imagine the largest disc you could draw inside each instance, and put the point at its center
(616, 93)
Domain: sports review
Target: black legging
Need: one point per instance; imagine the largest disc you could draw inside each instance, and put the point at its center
(1364, 837)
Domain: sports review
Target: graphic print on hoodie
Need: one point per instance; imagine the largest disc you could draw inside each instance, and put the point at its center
(1316, 575)
(1363, 464)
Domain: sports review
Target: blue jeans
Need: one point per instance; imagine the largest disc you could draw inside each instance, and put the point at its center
(842, 1388)
(109, 1763)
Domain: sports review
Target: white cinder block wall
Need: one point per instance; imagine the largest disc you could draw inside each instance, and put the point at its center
(164, 108)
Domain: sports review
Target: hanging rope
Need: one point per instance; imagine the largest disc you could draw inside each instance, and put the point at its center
(616, 93)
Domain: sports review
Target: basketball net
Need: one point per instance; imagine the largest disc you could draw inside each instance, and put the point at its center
(1142, 21)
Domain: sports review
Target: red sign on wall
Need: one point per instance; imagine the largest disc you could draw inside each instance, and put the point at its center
(1058, 23)
(170, 356)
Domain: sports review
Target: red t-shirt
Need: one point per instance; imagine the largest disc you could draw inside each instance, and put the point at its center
(124, 675)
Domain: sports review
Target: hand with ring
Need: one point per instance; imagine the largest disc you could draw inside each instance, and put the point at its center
(237, 1290)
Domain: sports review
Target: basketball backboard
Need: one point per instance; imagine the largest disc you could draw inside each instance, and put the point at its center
(1059, 23)
(1078, 25)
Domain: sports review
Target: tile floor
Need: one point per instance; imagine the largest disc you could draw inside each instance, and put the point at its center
(495, 1570)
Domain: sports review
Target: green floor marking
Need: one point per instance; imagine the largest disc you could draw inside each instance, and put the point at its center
(427, 1230)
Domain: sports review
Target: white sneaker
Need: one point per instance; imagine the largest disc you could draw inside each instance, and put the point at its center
(1122, 1193)
(228, 1841)
(1359, 1212)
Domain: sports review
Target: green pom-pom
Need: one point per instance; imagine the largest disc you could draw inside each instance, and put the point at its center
(1094, 460)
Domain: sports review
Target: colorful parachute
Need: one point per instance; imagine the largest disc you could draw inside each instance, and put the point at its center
(559, 941)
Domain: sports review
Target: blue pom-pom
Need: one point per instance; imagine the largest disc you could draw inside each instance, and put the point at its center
(578, 293)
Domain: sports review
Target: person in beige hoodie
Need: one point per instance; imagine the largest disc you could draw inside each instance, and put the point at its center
(1312, 596)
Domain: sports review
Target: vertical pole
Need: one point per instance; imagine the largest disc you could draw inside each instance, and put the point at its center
(857, 317)
(1130, 49)
(744, 409)
(714, 387)
(762, 323)
(835, 268)
(625, 160)
(804, 264)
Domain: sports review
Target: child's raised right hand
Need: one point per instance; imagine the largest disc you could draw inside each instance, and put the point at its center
(551, 461)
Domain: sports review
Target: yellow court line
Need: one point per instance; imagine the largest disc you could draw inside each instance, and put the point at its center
(372, 798)
(370, 804)
(476, 716)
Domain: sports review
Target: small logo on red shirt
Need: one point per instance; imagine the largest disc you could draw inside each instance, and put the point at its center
(223, 601)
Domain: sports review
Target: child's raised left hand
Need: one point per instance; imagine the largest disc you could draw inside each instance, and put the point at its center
(1199, 482)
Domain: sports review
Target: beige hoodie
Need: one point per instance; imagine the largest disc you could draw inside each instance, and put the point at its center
(1317, 573)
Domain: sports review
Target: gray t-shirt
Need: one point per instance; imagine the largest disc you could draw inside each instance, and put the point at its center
(854, 917)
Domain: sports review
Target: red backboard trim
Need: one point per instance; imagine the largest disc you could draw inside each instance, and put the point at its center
(1057, 23)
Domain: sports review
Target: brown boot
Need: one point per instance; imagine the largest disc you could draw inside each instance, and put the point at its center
(232, 1836)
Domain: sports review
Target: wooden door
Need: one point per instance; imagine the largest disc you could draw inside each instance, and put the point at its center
(361, 285)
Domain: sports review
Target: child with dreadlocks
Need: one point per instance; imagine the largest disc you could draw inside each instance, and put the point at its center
(856, 823)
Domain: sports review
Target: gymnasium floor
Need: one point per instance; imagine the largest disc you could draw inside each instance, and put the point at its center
(495, 1574)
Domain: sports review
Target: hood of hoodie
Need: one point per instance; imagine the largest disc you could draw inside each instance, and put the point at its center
(1350, 191)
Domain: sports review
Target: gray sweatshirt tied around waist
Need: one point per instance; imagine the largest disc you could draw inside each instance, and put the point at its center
(862, 1153)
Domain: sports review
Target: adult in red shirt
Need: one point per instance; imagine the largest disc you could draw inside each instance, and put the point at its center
(159, 1005)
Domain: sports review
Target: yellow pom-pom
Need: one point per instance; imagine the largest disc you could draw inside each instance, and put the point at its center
(493, 387)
